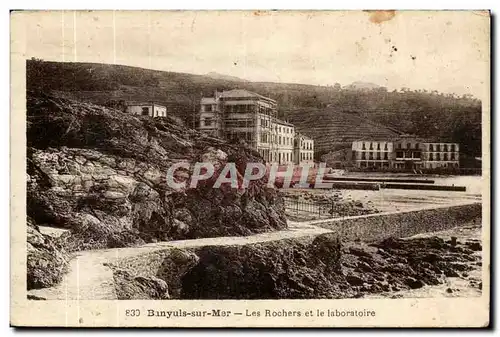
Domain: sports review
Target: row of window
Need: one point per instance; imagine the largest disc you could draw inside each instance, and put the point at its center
(283, 129)
(432, 147)
(437, 156)
(241, 108)
(239, 123)
(283, 140)
(239, 135)
(281, 157)
(306, 156)
(416, 155)
(444, 148)
(408, 154)
(306, 145)
(378, 146)
(377, 156)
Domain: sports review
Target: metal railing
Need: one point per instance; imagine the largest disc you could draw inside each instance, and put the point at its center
(297, 207)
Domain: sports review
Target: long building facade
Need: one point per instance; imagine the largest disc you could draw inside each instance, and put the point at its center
(243, 116)
(404, 153)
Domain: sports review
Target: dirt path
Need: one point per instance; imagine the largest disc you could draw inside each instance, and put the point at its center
(89, 278)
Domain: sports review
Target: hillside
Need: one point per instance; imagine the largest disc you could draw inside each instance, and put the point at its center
(427, 114)
(333, 130)
(102, 175)
(218, 76)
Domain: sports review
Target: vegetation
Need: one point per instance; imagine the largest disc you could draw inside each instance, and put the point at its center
(428, 114)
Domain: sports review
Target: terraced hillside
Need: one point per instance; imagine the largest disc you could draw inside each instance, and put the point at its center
(446, 117)
(333, 130)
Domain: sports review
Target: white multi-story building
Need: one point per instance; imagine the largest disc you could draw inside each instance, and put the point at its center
(404, 153)
(437, 155)
(284, 135)
(243, 116)
(304, 149)
(373, 153)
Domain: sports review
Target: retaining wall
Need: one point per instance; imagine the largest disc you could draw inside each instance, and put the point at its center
(403, 224)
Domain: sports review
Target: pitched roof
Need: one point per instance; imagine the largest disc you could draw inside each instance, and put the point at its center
(133, 103)
(243, 93)
(208, 100)
(282, 122)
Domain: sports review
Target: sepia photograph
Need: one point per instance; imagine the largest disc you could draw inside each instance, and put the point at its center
(167, 156)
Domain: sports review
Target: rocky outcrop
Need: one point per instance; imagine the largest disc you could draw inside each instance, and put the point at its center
(399, 264)
(46, 260)
(295, 268)
(102, 174)
(129, 287)
(306, 267)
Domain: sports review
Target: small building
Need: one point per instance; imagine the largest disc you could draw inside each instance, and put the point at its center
(283, 144)
(146, 109)
(303, 149)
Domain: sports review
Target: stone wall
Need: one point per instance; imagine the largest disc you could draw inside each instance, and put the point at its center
(403, 224)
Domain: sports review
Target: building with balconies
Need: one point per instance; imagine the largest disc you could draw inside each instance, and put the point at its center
(404, 153)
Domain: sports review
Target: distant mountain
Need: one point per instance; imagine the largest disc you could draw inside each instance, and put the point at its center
(358, 85)
(218, 76)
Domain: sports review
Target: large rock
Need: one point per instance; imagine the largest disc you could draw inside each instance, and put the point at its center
(102, 174)
(46, 261)
(295, 268)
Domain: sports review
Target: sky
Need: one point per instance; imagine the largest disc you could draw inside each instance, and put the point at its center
(446, 51)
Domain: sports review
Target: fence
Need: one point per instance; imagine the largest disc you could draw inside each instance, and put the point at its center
(302, 208)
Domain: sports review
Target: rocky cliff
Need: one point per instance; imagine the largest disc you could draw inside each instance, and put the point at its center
(102, 174)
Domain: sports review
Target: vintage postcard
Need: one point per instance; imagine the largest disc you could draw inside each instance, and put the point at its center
(250, 168)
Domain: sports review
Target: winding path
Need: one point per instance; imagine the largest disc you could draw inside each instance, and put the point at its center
(89, 278)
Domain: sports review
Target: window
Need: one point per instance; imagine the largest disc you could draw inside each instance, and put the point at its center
(445, 157)
(437, 148)
(452, 156)
(445, 148)
(364, 147)
(431, 156)
(208, 108)
(363, 155)
(452, 149)
(399, 145)
(431, 148)
(417, 146)
(385, 147)
(378, 146)
(371, 146)
(408, 145)
(145, 111)
(370, 156)
(438, 156)
(386, 156)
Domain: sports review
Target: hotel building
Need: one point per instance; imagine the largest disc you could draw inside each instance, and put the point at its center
(243, 116)
(404, 153)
